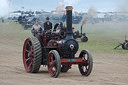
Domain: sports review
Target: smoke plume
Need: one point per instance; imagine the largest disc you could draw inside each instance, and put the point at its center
(92, 11)
(84, 20)
(123, 7)
(5, 8)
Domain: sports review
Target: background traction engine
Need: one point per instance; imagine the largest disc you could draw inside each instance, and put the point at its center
(57, 50)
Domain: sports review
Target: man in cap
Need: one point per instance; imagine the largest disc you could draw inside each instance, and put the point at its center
(47, 24)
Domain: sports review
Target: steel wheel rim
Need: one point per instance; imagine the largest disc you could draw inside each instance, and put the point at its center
(28, 55)
(52, 68)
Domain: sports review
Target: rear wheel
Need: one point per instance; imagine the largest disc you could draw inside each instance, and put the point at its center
(32, 55)
(85, 67)
(54, 63)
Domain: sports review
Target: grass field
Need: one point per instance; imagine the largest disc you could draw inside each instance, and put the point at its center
(103, 37)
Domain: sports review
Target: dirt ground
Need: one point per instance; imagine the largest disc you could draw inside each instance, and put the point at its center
(108, 69)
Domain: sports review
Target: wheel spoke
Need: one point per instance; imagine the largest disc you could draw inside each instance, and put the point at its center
(31, 53)
(87, 62)
(84, 64)
(50, 68)
(27, 51)
(31, 48)
(30, 65)
(82, 67)
(86, 67)
(27, 59)
(51, 56)
(83, 57)
(32, 59)
(54, 68)
(87, 57)
(29, 44)
(54, 62)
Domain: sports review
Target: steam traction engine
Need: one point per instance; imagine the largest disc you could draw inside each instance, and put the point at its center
(57, 51)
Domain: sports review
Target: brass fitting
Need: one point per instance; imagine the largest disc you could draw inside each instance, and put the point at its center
(69, 8)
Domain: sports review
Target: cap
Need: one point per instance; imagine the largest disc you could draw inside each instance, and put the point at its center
(47, 18)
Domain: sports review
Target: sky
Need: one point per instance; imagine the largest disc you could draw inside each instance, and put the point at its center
(7, 6)
(78, 5)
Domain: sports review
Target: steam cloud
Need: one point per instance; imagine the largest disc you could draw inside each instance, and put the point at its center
(123, 7)
(60, 8)
(5, 8)
(84, 20)
(92, 11)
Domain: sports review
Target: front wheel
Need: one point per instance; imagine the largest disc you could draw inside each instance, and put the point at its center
(54, 63)
(84, 39)
(85, 67)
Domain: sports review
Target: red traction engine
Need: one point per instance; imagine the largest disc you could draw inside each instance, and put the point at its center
(57, 50)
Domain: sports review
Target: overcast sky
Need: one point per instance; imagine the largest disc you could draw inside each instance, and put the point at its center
(78, 5)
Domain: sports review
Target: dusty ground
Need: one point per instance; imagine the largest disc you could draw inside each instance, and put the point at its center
(109, 69)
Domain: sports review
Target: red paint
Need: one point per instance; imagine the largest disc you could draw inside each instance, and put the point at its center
(71, 61)
(27, 60)
(51, 65)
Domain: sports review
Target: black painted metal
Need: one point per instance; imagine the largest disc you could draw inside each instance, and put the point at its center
(69, 21)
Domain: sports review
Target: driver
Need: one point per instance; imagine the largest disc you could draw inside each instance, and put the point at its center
(47, 24)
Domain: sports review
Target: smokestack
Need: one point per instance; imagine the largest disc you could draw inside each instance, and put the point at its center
(69, 21)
